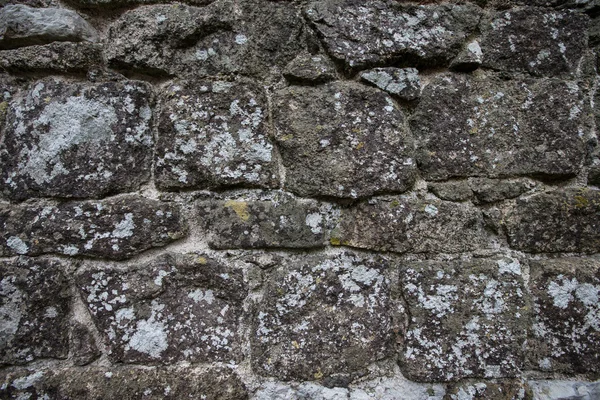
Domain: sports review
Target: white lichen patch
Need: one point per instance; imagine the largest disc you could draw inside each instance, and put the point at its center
(17, 245)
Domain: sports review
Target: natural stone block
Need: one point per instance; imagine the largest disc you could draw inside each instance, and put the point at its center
(77, 140)
(34, 310)
(176, 308)
(407, 224)
(56, 56)
(108, 4)
(301, 328)
(83, 344)
(309, 68)
(214, 134)
(468, 319)
(566, 330)
(469, 59)
(343, 140)
(493, 190)
(115, 228)
(451, 190)
(563, 389)
(564, 220)
(486, 390)
(403, 83)
(483, 126)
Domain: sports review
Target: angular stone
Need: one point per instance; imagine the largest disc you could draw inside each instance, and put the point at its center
(21, 25)
(486, 390)
(84, 346)
(492, 190)
(403, 83)
(276, 221)
(213, 135)
(56, 56)
(564, 390)
(451, 190)
(343, 140)
(77, 140)
(541, 42)
(469, 59)
(406, 224)
(177, 308)
(468, 319)
(302, 329)
(566, 331)
(309, 68)
(566, 220)
(115, 228)
(123, 383)
(34, 310)
(483, 126)
(384, 31)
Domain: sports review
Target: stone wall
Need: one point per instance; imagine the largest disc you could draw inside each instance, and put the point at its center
(336, 199)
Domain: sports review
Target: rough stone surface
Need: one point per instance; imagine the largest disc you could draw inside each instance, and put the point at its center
(301, 330)
(309, 68)
(343, 140)
(34, 310)
(84, 346)
(115, 228)
(403, 83)
(77, 140)
(469, 59)
(566, 330)
(564, 390)
(483, 126)
(214, 134)
(485, 390)
(451, 190)
(467, 319)
(493, 190)
(21, 25)
(110, 4)
(56, 56)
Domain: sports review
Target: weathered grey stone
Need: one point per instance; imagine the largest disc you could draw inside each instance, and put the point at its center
(21, 25)
(276, 221)
(483, 126)
(301, 329)
(126, 383)
(9, 86)
(83, 344)
(402, 224)
(566, 330)
(486, 390)
(177, 308)
(34, 310)
(492, 190)
(563, 220)
(108, 4)
(451, 190)
(564, 390)
(115, 228)
(212, 135)
(379, 32)
(56, 56)
(343, 140)
(535, 40)
(467, 319)
(403, 83)
(469, 59)
(77, 140)
(310, 68)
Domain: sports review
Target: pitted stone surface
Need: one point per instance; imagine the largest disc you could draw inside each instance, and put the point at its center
(563, 220)
(492, 190)
(77, 140)
(535, 40)
(381, 32)
(34, 310)
(56, 56)
(485, 390)
(403, 83)
(402, 224)
(343, 140)
(566, 330)
(301, 329)
(116, 228)
(177, 308)
(108, 4)
(483, 126)
(85, 349)
(310, 68)
(564, 390)
(458, 190)
(467, 319)
(214, 134)
(469, 59)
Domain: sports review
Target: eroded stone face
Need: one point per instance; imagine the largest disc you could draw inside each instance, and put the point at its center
(486, 390)
(467, 319)
(55, 56)
(566, 330)
(403, 83)
(178, 308)
(301, 329)
(214, 134)
(310, 68)
(483, 126)
(77, 140)
(116, 228)
(34, 310)
(342, 140)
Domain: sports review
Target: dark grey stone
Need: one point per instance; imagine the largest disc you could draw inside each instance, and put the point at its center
(451, 190)
(403, 83)
(83, 344)
(310, 68)
(56, 56)
(493, 190)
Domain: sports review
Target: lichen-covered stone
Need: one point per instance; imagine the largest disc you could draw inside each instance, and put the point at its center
(76, 140)
(487, 390)
(402, 224)
(177, 308)
(9, 87)
(126, 383)
(379, 32)
(403, 83)
(115, 228)
(492, 190)
(469, 59)
(279, 220)
(565, 220)
(21, 25)
(535, 40)
(564, 390)
(212, 135)
(483, 126)
(451, 190)
(108, 4)
(34, 310)
(301, 329)
(343, 140)
(566, 331)
(56, 56)
(310, 68)
(468, 319)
